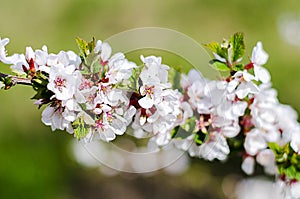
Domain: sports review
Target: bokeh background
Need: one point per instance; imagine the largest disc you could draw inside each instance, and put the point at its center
(37, 163)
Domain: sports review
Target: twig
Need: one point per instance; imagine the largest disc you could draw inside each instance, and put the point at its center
(16, 80)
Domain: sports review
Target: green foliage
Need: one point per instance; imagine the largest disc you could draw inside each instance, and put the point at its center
(238, 67)
(238, 46)
(7, 81)
(218, 49)
(85, 47)
(81, 129)
(220, 66)
(184, 130)
(91, 61)
(39, 84)
(134, 79)
(190, 125)
(287, 161)
(231, 51)
(200, 137)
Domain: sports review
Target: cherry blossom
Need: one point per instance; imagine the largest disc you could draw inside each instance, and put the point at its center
(260, 57)
(100, 95)
(64, 81)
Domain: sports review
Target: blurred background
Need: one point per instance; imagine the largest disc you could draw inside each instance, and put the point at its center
(37, 163)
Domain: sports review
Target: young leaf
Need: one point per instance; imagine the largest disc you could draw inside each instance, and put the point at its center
(238, 46)
(238, 67)
(220, 66)
(189, 125)
(218, 49)
(80, 128)
(83, 47)
(291, 172)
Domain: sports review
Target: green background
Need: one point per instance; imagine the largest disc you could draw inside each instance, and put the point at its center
(38, 163)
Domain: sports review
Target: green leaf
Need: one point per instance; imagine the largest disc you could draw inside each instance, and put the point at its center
(238, 67)
(189, 125)
(297, 176)
(174, 132)
(274, 147)
(174, 77)
(218, 49)
(134, 79)
(294, 159)
(179, 133)
(85, 47)
(220, 66)
(291, 172)
(200, 137)
(238, 46)
(81, 129)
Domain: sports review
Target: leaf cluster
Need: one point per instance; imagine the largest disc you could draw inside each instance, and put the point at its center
(228, 54)
(287, 161)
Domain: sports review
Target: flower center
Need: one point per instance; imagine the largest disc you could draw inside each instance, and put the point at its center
(203, 122)
(149, 90)
(59, 83)
(99, 124)
(86, 84)
(103, 63)
(109, 116)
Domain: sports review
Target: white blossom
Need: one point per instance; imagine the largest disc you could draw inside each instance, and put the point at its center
(64, 81)
(295, 140)
(3, 55)
(119, 69)
(215, 148)
(266, 158)
(260, 57)
(58, 119)
(254, 142)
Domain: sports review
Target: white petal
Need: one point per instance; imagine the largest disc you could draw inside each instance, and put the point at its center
(29, 53)
(41, 57)
(239, 108)
(247, 76)
(47, 114)
(254, 142)
(143, 120)
(232, 85)
(153, 117)
(130, 113)
(107, 135)
(98, 46)
(295, 142)
(105, 51)
(231, 131)
(262, 74)
(52, 60)
(295, 190)
(248, 165)
(146, 102)
(163, 139)
(266, 158)
(221, 59)
(259, 56)
(119, 126)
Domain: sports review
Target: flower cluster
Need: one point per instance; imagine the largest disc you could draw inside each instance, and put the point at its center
(97, 95)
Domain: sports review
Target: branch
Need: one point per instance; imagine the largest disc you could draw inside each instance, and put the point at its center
(16, 80)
